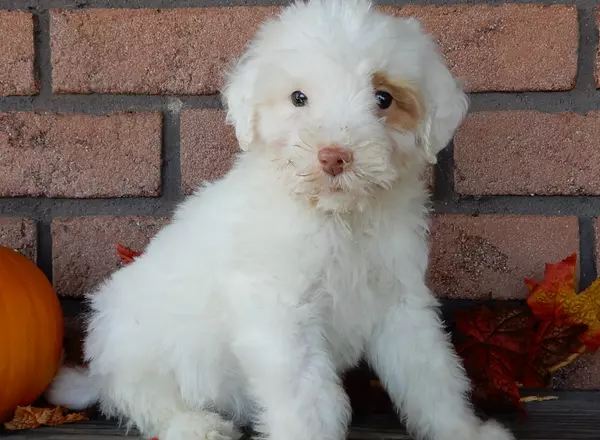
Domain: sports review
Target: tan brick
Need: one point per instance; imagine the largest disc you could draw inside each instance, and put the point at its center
(19, 234)
(208, 147)
(528, 152)
(508, 47)
(84, 249)
(80, 155)
(583, 374)
(177, 51)
(17, 76)
(488, 256)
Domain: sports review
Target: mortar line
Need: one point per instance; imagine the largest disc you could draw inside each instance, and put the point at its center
(444, 174)
(42, 61)
(39, 207)
(44, 247)
(588, 270)
(171, 165)
(551, 102)
(588, 40)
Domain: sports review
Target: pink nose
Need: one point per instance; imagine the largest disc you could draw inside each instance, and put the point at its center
(333, 159)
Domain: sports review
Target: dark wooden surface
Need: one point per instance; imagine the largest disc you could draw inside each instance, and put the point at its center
(574, 416)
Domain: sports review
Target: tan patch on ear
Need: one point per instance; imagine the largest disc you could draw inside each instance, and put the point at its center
(407, 110)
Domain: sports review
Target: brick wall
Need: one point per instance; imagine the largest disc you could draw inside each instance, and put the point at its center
(109, 115)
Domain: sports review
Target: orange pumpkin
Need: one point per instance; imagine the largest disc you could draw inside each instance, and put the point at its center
(31, 332)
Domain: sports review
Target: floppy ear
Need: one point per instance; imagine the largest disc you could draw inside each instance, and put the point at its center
(446, 105)
(238, 97)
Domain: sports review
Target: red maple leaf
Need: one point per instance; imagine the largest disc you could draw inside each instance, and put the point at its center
(127, 255)
(497, 340)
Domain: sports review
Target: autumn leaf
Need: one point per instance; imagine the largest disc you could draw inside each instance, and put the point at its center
(506, 348)
(29, 417)
(585, 309)
(556, 299)
(127, 255)
(496, 344)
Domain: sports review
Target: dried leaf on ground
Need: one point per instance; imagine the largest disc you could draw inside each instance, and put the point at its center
(29, 417)
(127, 255)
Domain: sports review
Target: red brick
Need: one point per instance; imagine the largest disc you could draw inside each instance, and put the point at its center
(17, 76)
(20, 235)
(583, 374)
(208, 147)
(487, 257)
(508, 47)
(84, 250)
(528, 153)
(176, 51)
(80, 155)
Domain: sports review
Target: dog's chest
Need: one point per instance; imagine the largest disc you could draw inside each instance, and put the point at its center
(348, 302)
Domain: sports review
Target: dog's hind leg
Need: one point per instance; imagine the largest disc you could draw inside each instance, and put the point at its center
(153, 404)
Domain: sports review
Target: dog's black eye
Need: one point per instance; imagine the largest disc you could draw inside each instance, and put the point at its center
(384, 99)
(299, 99)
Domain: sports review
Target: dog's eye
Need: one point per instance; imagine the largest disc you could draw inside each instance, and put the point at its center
(384, 99)
(299, 99)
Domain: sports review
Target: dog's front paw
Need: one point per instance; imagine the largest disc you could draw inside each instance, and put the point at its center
(492, 430)
(200, 426)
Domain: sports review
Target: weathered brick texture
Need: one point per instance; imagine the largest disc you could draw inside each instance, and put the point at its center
(80, 155)
(528, 152)
(208, 147)
(84, 249)
(178, 51)
(19, 234)
(487, 256)
(17, 75)
(508, 47)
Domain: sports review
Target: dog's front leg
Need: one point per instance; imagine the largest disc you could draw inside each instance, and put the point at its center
(415, 361)
(299, 394)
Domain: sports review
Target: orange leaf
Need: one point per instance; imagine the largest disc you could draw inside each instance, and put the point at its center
(545, 298)
(555, 299)
(127, 255)
(585, 309)
(29, 417)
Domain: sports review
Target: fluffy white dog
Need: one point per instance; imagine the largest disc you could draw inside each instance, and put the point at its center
(310, 254)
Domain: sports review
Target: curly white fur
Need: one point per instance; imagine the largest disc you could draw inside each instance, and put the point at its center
(272, 281)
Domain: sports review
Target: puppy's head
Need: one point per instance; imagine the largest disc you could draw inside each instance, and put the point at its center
(343, 100)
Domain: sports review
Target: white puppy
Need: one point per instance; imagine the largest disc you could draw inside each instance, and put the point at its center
(308, 255)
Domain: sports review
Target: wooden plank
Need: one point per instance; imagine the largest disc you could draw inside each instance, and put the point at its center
(574, 416)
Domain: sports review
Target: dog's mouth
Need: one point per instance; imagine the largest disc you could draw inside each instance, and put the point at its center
(319, 183)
